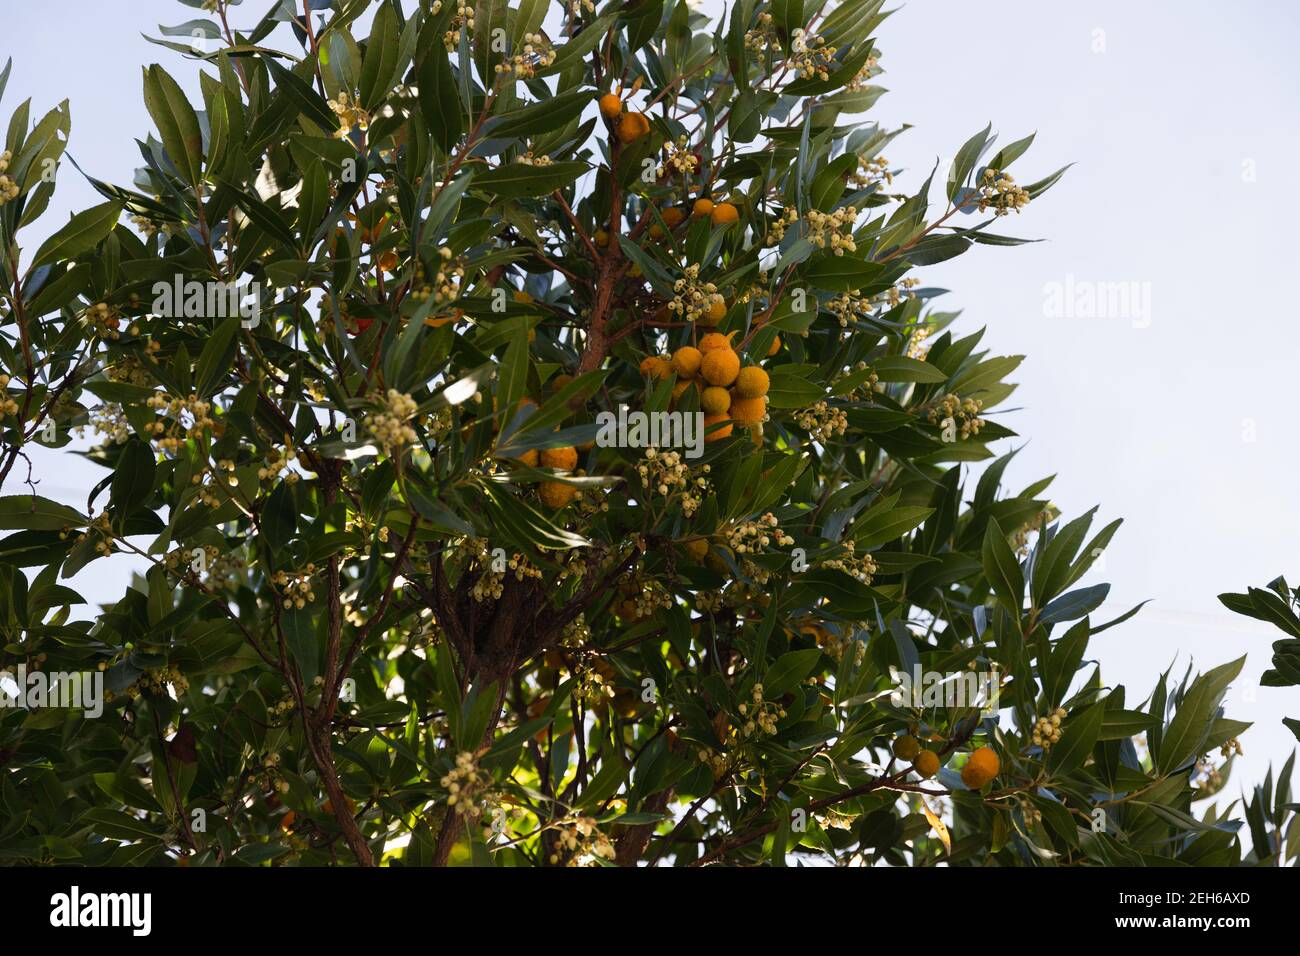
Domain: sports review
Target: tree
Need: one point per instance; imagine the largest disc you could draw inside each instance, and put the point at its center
(370, 364)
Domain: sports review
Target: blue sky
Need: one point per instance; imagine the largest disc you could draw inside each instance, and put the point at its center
(1180, 120)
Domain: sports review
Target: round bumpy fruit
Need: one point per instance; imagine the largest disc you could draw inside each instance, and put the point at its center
(656, 366)
(981, 767)
(680, 387)
(632, 127)
(714, 340)
(723, 213)
(748, 411)
(702, 209)
(610, 106)
(714, 312)
(529, 458)
(723, 432)
(566, 458)
(601, 238)
(907, 748)
(776, 347)
(715, 400)
(686, 361)
(926, 763)
(720, 366)
(697, 548)
(752, 382)
(556, 494)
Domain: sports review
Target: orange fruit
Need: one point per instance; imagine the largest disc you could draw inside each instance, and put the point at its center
(776, 347)
(752, 382)
(610, 106)
(702, 209)
(632, 127)
(723, 213)
(720, 366)
(714, 340)
(907, 748)
(697, 548)
(981, 767)
(601, 238)
(926, 764)
(656, 366)
(723, 432)
(565, 459)
(714, 312)
(748, 411)
(715, 400)
(556, 494)
(686, 361)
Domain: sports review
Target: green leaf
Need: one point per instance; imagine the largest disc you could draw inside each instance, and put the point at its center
(82, 233)
(33, 513)
(216, 357)
(541, 117)
(1184, 738)
(133, 479)
(788, 670)
(1003, 569)
(1080, 733)
(439, 100)
(516, 180)
(382, 54)
(177, 122)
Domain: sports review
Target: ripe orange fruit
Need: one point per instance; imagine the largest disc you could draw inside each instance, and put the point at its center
(565, 459)
(723, 213)
(702, 209)
(752, 382)
(632, 127)
(610, 106)
(686, 361)
(601, 238)
(723, 432)
(656, 366)
(714, 312)
(715, 401)
(389, 261)
(714, 340)
(907, 748)
(679, 389)
(556, 494)
(926, 764)
(776, 347)
(529, 458)
(720, 366)
(748, 411)
(981, 767)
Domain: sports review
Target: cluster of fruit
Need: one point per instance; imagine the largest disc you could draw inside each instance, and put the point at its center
(728, 393)
(981, 766)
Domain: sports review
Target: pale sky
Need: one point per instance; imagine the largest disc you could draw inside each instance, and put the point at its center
(1179, 117)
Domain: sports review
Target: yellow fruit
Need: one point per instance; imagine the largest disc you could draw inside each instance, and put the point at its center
(907, 748)
(702, 209)
(627, 610)
(610, 106)
(926, 764)
(632, 127)
(686, 361)
(723, 432)
(714, 312)
(556, 494)
(697, 548)
(601, 238)
(723, 213)
(560, 381)
(720, 366)
(715, 400)
(752, 382)
(529, 458)
(566, 458)
(981, 767)
(388, 262)
(656, 366)
(748, 411)
(714, 340)
(776, 347)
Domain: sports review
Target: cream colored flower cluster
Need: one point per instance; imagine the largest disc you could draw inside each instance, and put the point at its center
(764, 36)
(754, 537)
(296, 588)
(182, 419)
(1047, 730)
(759, 714)
(691, 297)
(860, 566)
(390, 427)
(581, 843)
(959, 414)
(103, 320)
(997, 190)
(822, 421)
(349, 113)
(446, 280)
(668, 475)
(679, 159)
(7, 404)
(537, 54)
(812, 58)
(466, 785)
(871, 170)
(464, 18)
(8, 188)
(833, 228)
